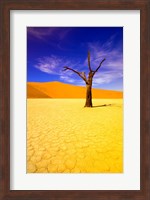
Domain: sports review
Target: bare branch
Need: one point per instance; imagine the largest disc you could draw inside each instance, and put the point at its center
(89, 64)
(81, 74)
(68, 68)
(99, 66)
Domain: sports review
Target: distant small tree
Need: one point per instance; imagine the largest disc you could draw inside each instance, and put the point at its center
(88, 81)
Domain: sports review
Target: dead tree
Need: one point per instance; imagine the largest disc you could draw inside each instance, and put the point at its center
(88, 80)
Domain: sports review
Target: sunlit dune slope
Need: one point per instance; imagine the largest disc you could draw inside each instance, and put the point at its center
(62, 90)
(35, 93)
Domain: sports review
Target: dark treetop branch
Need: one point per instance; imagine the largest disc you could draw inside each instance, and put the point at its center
(81, 74)
(99, 66)
(89, 64)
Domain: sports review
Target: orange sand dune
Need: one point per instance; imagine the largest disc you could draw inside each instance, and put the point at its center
(62, 90)
(34, 92)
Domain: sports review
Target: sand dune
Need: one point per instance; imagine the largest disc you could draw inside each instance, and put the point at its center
(34, 92)
(65, 137)
(62, 90)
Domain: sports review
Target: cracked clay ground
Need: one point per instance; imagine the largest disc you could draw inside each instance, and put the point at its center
(65, 137)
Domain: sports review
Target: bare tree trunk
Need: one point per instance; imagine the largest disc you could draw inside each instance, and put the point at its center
(88, 102)
(88, 80)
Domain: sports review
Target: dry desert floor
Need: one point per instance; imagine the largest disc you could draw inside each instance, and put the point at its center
(65, 137)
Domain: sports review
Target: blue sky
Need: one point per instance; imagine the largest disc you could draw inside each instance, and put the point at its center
(49, 49)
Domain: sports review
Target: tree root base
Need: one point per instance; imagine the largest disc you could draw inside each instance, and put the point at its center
(88, 106)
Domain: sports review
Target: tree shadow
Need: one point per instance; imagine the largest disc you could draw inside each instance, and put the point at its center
(102, 105)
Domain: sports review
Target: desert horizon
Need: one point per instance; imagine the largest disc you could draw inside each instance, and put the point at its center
(74, 125)
(57, 89)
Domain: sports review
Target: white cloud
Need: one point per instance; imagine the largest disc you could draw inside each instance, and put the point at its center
(67, 79)
(50, 65)
(53, 64)
(111, 69)
(106, 77)
(39, 33)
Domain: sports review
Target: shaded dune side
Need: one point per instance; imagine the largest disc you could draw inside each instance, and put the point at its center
(63, 90)
(35, 93)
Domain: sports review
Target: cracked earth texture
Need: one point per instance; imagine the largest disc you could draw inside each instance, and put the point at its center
(65, 137)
